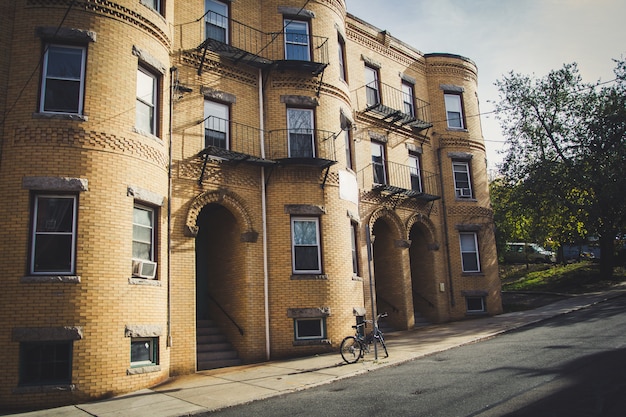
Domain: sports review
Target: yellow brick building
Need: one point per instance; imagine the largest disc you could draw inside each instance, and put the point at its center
(193, 184)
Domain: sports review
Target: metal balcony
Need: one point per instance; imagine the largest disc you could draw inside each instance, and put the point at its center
(393, 106)
(312, 147)
(241, 43)
(397, 181)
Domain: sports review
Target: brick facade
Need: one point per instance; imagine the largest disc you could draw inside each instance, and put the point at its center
(224, 222)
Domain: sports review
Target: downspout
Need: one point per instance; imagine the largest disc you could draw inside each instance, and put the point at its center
(173, 70)
(264, 217)
(445, 229)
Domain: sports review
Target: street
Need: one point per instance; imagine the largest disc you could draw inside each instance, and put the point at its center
(573, 365)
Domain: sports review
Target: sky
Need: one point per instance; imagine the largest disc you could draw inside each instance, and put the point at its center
(530, 37)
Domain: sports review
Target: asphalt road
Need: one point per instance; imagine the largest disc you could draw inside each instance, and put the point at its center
(572, 365)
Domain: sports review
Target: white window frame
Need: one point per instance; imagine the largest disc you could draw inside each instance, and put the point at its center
(408, 99)
(341, 46)
(415, 171)
(48, 79)
(217, 118)
(153, 347)
(482, 302)
(378, 161)
(469, 251)
(297, 39)
(295, 243)
(454, 110)
(147, 101)
(216, 15)
(293, 127)
(37, 233)
(151, 228)
(372, 86)
(322, 324)
(156, 5)
(462, 168)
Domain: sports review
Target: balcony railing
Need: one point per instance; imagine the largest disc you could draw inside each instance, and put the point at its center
(396, 179)
(393, 106)
(230, 140)
(242, 43)
(303, 146)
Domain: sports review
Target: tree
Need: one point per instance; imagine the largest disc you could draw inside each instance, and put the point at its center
(567, 152)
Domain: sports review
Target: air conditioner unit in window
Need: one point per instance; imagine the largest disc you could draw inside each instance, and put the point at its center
(463, 192)
(143, 268)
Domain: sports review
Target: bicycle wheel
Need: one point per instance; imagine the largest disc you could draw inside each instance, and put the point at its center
(382, 343)
(351, 349)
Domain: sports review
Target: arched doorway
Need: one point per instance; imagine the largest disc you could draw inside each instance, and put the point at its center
(219, 280)
(388, 274)
(423, 282)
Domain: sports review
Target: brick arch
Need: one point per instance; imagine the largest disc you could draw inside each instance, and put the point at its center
(426, 225)
(392, 218)
(225, 198)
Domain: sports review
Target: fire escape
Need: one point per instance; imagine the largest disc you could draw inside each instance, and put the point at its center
(286, 50)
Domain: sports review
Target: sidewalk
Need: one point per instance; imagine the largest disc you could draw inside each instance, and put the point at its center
(206, 391)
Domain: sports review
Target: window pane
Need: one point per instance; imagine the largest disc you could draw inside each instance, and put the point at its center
(300, 125)
(454, 110)
(143, 233)
(146, 102)
(65, 63)
(305, 232)
(55, 214)
(143, 351)
(53, 239)
(145, 87)
(296, 40)
(45, 362)
(309, 329)
(306, 258)
(216, 124)
(470, 262)
(62, 96)
(475, 304)
(142, 216)
(53, 253)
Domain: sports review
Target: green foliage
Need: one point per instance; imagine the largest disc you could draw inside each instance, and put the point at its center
(568, 279)
(565, 169)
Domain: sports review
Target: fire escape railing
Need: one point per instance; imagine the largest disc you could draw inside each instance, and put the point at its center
(393, 179)
(393, 106)
(301, 145)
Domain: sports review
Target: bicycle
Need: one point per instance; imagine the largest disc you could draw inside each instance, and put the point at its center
(353, 348)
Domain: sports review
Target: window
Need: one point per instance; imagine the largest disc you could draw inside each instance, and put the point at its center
(408, 99)
(216, 124)
(372, 94)
(45, 363)
(300, 127)
(415, 172)
(297, 40)
(309, 328)
(454, 112)
(305, 245)
(63, 81)
(156, 5)
(355, 254)
(462, 184)
(53, 247)
(342, 59)
(144, 351)
(346, 127)
(378, 163)
(216, 20)
(475, 304)
(146, 102)
(469, 252)
(143, 233)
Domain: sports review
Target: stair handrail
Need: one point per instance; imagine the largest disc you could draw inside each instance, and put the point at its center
(394, 308)
(226, 314)
(415, 293)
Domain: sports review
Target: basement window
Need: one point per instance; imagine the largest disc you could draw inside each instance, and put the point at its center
(310, 328)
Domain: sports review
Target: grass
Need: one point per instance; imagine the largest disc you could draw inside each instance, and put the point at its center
(572, 278)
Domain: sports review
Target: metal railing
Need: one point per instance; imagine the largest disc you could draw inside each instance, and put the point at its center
(393, 104)
(239, 41)
(233, 136)
(301, 144)
(400, 176)
(228, 316)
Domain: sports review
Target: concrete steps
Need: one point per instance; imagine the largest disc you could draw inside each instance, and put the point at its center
(212, 348)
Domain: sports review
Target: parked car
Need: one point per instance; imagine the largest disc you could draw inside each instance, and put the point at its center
(527, 253)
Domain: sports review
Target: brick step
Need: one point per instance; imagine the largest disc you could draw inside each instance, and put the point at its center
(207, 356)
(213, 347)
